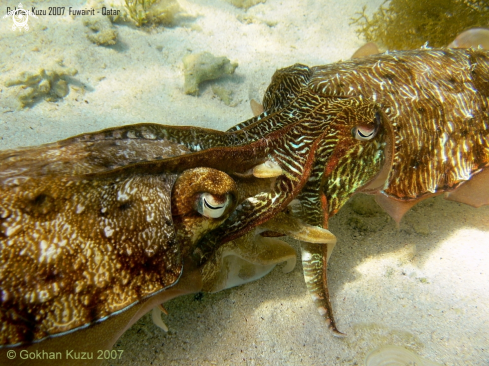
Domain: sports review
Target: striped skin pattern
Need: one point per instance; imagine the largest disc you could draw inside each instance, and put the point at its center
(437, 102)
(311, 133)
(435, 110)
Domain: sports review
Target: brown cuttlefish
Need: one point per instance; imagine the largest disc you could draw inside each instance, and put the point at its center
(402, 126)
(83, 256)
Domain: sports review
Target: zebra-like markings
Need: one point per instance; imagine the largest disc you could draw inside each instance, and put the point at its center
(434, 138)
(292, 137)
(437, 102)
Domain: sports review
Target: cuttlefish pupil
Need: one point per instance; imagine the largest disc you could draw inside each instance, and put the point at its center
(366, 132)
(211, 206)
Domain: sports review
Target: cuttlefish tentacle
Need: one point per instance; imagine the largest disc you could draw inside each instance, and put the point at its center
(314, 261)
(313, 209)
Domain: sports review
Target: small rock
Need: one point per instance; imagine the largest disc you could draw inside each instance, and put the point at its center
(204, 66)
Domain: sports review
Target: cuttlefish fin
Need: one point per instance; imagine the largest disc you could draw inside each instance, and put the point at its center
(314, 263)
(394, 208)
(256, 107)
(474, 192)
(475, 37)
(366, 50)
(398, 208)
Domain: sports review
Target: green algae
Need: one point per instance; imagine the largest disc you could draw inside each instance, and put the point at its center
(155, 12)
(202, 67)
(409, 24)
(48, 84)
(103, 31)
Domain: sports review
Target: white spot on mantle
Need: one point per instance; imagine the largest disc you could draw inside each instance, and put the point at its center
(79, 208)
(12, 230)
(108, 231)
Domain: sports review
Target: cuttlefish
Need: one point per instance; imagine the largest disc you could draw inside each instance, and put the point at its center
(435, 109)
(303, 145)
(76, 251)
(403, 126)
(83, 256)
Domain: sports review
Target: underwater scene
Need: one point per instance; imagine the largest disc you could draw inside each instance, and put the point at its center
(174, 176)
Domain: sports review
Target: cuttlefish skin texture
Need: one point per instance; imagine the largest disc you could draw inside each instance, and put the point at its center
(435, 105)
(421, 114)
(76, 250)
(77, 199)
(310, 138)
(432, 139)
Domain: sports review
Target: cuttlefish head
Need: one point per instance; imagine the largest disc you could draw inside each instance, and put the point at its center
(360, 154)
(202, 199)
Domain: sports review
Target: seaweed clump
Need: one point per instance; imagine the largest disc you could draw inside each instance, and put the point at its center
(154, 12)
(103, 31)
(409, 24)
(48, 84)
(204, 66)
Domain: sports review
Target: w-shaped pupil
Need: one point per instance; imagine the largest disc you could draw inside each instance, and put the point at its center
(207, 204)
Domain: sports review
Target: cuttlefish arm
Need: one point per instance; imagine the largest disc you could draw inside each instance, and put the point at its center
(291, 226)
(254, 254)
(316, 246)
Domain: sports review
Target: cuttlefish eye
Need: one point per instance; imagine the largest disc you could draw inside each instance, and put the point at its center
(209, 205)
(366, 132)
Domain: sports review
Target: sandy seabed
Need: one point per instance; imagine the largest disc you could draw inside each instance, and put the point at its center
(424, 287)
